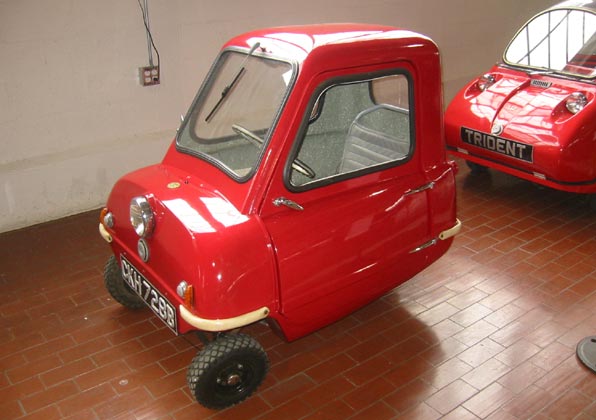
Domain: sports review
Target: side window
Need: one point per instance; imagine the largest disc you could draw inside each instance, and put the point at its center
(355, 128)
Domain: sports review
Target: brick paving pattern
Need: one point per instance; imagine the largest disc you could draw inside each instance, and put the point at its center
(489, 331)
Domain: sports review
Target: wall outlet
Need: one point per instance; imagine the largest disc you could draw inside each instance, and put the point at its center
(149, 76)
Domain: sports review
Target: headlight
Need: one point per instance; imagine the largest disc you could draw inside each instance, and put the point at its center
(141, 216)
(576, 102)
(486, 81)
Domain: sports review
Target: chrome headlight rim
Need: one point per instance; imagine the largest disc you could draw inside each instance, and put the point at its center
(142, 218)
(576, 102)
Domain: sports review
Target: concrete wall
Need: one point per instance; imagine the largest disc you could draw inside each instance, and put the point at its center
(73, 117)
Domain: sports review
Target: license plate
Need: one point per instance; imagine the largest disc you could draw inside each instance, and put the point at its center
(497, 144)
(152, 297)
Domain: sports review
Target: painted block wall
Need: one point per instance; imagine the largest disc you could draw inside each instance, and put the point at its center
(73, 117)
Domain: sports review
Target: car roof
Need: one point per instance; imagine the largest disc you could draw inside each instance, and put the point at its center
(302, 41)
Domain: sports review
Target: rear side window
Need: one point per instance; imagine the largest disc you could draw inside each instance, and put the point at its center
(354, 128)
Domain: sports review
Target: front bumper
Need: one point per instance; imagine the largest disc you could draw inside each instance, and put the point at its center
(105, 234)
(216, 325)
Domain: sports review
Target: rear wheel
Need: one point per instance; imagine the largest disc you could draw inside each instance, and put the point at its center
(117, 287)
(227, 371)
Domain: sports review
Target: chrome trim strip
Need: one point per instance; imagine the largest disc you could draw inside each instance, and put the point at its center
(424, 246)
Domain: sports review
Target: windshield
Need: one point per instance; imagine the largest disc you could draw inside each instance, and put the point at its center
(558, 41)
(232, 117)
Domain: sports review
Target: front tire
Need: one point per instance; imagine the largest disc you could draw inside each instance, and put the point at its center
(476, 168)
(117, 287)
(227, 371)
(592, 201)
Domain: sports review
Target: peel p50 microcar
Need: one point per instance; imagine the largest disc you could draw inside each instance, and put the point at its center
(308, 178)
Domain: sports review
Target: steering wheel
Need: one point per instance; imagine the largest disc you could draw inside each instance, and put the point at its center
(303, 168)
(248, 135)
(297, 165)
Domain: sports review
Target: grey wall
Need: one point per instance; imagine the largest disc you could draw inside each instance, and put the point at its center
(73, 117)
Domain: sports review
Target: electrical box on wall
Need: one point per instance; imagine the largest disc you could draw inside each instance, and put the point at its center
(149, 75)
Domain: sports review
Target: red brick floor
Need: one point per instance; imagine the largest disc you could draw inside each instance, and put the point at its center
(489, 331)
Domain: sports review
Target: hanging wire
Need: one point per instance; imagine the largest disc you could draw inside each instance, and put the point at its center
(145, 13)
(147, 22)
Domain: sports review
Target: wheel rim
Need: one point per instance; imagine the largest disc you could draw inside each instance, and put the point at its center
(227, 371)
(234, 378)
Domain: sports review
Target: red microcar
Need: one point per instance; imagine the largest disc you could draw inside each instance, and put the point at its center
(308, 178)
(533, 115)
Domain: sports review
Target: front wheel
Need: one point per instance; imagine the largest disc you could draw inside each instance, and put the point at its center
(227, 371)
(476, 168)
(117, 287)
(592, 201)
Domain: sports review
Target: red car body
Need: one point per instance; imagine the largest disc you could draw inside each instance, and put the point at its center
(533, 114)
(297, 247)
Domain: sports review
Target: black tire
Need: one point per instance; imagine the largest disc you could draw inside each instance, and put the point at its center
(117, 287)
(592, 201)
(476, 168)
(227, 371)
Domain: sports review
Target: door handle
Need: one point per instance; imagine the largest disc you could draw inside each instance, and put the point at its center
(425, 187)
(282, 201)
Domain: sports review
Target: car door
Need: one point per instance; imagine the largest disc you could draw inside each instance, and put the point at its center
(348, 213)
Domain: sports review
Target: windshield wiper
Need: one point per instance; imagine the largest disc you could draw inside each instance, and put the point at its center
(227, 89)
(541, 72)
